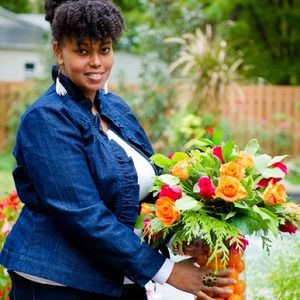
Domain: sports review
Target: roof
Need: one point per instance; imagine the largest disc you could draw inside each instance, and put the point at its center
(17, 32)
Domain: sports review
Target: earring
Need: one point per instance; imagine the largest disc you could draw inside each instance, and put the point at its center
(105, 87)
(60, 89)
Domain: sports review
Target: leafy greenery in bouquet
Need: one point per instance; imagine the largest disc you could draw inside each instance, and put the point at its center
(219, 194)
(10, 207)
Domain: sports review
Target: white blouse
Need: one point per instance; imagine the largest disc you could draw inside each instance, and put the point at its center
(144, 169)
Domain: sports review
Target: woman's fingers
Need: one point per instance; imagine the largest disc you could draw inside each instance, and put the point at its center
(225, 281)
(202, 296)
(218, 290)
(224, 272)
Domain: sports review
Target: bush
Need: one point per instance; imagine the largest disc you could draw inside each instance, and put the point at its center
(9, 211)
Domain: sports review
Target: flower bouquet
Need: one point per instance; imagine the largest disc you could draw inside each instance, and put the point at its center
(218, 194)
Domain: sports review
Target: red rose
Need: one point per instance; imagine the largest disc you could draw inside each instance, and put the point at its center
(217, 151)
(206, 186)
(288, 227)
(265, 181)
(241, 249)
(172, 191)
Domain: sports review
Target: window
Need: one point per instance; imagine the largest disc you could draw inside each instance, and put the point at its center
(29, 70)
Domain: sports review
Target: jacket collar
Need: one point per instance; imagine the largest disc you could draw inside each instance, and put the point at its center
(73, 90)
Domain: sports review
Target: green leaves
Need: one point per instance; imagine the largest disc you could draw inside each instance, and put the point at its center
(161, 160)
(164, 162)
(186, 203)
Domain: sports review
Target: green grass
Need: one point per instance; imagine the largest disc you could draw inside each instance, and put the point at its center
(7, 163)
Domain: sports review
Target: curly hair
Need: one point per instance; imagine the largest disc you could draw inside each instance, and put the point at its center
(95, 19)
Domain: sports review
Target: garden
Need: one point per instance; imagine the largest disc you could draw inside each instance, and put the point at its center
(229, 67)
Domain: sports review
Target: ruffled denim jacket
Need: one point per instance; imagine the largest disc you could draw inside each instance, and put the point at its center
(80, 193)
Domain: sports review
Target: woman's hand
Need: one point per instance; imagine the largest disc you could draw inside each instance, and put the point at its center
(187, 277)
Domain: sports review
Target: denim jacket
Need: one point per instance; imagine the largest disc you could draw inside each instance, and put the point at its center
(80, 195)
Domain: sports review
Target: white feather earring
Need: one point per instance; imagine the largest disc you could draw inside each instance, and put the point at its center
(60, 89)
(105, 87)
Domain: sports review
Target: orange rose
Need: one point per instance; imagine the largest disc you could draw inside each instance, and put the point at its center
(245, 159)
(166, 211)
(233, 169)
(180, 170)
(147, 209)
(275, 193)
(230, 189)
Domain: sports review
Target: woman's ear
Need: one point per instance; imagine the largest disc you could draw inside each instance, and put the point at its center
(58, 52)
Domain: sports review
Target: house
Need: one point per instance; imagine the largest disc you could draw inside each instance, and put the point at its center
(22, 38)
(25, 51)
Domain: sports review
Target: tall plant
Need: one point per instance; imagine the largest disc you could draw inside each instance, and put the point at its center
(205, 65)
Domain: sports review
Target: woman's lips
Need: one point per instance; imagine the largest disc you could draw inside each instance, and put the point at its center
(94, 76)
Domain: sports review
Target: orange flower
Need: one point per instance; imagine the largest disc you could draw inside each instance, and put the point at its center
(180, 170)
(275, 193)
(245, 159)
(230, 189)
(233, 169)
(147, 209)
(166, 210)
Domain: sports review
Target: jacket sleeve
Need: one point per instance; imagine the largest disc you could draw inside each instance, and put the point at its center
(54, 156)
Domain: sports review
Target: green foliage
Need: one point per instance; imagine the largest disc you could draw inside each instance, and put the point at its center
(285, 274)
(294, 171)
(266, 31)
(275, 276)
(153, 102)
(19, 106)
(23, 6)
(199, 225)
(206, 66)
(17, 6)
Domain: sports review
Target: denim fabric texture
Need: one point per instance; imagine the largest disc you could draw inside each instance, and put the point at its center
(80, 193)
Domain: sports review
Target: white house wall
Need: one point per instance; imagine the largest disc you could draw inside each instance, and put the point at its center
(12, 64)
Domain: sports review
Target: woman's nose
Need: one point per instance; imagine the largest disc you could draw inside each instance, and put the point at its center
(95, 60)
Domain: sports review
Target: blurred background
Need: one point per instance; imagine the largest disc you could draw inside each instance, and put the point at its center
(187, 68)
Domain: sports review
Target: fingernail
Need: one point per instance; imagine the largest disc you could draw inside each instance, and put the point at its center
(229, 291)
(233, 281)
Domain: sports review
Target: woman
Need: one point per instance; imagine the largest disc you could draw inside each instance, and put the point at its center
(82, 169)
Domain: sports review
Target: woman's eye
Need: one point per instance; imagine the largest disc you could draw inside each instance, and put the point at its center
(82, 51)
(105, 50)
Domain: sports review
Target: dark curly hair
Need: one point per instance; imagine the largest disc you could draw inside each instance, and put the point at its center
(82, 19)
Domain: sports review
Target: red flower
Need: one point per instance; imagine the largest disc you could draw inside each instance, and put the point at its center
(172, 191)
(171, 155)
(288, 227)
(210, 130)
(217, 151)
(265, 181)
(13, 200)
(241, 249)
(206, 186)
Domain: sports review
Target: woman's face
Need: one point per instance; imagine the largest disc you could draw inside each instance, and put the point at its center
(88, 64)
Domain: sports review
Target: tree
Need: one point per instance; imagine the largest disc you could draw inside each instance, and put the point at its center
(266, 31)
(16, 6)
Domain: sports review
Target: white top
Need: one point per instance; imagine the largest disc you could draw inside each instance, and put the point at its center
(145, 174)
(144, 169)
